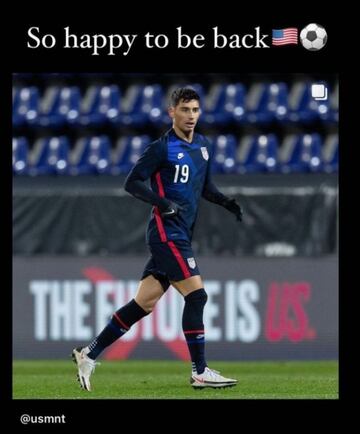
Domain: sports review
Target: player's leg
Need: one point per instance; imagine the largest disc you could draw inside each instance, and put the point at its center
(186, 286)
(195, 298)
(176, 261)
(148, 293)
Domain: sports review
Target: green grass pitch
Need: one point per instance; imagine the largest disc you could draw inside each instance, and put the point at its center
(54, 379)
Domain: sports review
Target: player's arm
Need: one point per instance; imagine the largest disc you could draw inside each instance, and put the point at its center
(212, 194)
(149, 162)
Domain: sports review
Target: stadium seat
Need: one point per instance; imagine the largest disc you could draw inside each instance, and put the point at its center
(257, 153)
(225, 153)
(266, 102)
(278, 105)
(301, 153)
(100, 105)
(224, 103)
(85, 105)
(152, 103)
(127, 151)
(256, 105)
(302, 106)
(20, 155)
(212, 107)
(311, 149)
(141, 105)
(50, 156)
(131, 113)
(91, 155)
(58, 106)
(25, 105)
(234, 103)
(322, 106)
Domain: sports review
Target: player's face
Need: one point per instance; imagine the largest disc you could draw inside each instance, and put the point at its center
(185, 115)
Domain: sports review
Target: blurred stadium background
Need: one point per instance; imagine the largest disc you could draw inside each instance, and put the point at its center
(78, 238)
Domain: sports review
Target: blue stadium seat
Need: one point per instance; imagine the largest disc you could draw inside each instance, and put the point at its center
(278, 105)
(91, 155)
(20, 155)
(301, 153)
(50, 156)
(257, 153)
(256, 104)
(100, 105)
(303, 107)
(59, 105)
(212, 107)
(322, 107)
(141, 105)
(225, 153)
(152, 103)
(330, 153)
(223, 103)
(311, 152)
(127, 151)
(234, 103)
(131, 110)
(25, 105)
(266, 102)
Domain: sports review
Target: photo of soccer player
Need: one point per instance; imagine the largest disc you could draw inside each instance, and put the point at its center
(175, 233)
(179, 166)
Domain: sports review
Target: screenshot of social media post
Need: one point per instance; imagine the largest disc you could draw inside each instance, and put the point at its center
(176, 232)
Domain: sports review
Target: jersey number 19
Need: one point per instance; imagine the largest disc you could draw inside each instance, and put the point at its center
(183, 171)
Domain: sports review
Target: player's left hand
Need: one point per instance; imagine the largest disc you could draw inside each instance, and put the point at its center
(232, 206)
(172, 210)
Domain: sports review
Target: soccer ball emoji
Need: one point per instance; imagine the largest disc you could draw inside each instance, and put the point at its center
(313, 37)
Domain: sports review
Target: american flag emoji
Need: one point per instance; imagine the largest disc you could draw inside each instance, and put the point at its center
(285, 36)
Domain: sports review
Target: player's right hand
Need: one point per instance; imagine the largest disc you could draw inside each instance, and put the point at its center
(172, 210)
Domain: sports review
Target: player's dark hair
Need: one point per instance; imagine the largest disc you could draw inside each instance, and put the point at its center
(185, 94)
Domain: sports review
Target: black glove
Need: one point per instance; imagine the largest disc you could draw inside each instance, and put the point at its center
(232, 206)
(171, 210)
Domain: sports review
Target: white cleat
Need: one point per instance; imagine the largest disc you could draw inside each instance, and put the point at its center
(210, 378)
(86, 367)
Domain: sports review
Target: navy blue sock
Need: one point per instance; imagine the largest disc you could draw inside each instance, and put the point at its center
(193, 327)
(119, 324)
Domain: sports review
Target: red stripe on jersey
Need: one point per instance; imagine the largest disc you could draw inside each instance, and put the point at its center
(158, 219)
(160, 186)
(160, 225)
(179, 259)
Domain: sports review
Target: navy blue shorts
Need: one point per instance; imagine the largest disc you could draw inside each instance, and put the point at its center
(171, 261)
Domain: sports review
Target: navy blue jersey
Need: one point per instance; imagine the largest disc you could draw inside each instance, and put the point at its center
(178, 171)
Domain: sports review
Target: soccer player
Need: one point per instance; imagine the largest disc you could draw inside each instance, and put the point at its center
(178, 164)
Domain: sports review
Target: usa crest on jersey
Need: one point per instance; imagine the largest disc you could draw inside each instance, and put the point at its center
(192, 263)
(204, 152)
